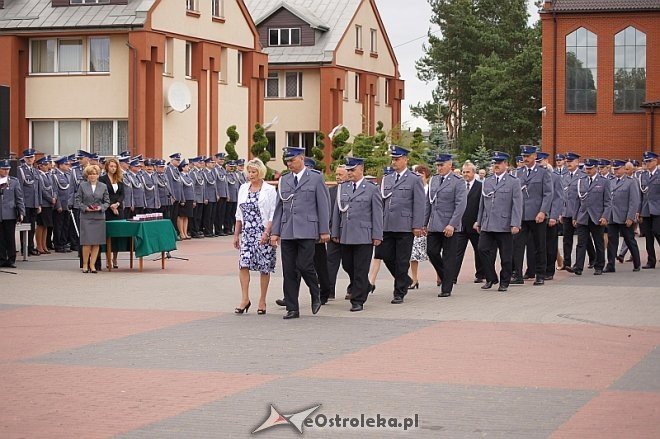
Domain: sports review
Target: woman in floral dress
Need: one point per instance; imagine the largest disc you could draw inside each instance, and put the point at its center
(254, 216)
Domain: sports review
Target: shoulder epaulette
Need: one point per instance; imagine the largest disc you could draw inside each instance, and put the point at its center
(316, 171)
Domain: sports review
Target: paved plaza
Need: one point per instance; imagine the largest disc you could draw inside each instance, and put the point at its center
(160, 354)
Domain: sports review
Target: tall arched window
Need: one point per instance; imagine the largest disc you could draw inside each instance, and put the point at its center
(629, 70)
(581, 71)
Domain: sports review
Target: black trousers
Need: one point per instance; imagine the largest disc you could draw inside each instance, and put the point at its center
(628, 234)
(585, 234)
(538, 232)
(321, 268)
(334, 258)
(128, 213)
(489, 244)
(7, 242)
(196, 223)
(462, 239)
(219, 215)
(208, 214)
(297, 261)
(30, 217)
(569, 233)
(551, 249)
(166, 211)
(395, 251)
(356, 260)
(61, 226)
(650, 227)
(230, 217)
(174, 214)
(442, 254)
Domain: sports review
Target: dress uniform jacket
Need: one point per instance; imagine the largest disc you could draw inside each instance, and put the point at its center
(232, 186)
(404, 202)
(137, 192)
(569, 182)
(536, 190)
(150, 184)
(445, 203)
(500, 207)
(11, 200)
(558, 198)
(65, 190)
(30, 185)
(47, 190)
(302, 211)
(211, 189)
(594, 202)
(174, 180)
(164, 190)
(221, 181)
(626, 198)
(650, 186)
(188, 188)
(198, 179)
(358, 216)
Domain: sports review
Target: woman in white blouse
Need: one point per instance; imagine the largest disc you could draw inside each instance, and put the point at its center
(254, 217)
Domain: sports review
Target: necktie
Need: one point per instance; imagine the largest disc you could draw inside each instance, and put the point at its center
(591, 180)
(354, 187)
(467, 186)
(397, 178)
(295, 180)
(442, 180)
(529, 171)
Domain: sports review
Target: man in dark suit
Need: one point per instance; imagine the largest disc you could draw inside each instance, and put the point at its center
(473, 187)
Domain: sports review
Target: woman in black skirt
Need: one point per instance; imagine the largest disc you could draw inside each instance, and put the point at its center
(114, 180)
(188, 203)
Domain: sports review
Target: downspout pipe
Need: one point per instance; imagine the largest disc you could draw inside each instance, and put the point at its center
(554, 83)
(133, 50)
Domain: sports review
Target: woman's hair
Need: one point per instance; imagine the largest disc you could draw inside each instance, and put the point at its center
(88, 170)
(421, 169)
(258, 165)
(119, 173)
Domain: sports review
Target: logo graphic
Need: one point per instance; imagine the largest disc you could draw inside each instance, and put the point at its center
(294, 419)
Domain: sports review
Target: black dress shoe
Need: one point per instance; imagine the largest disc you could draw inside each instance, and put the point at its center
(620, 259)
(608, 270)
(590, 266)
(577, 271)
(478, 280)
(569, 269)
(528, 276)
(517, 281)
(539, 281)
(10, 265)
(347, 296)
(316, 306)
(444, 294)
(34, 252)
(636, 269)
(503, 288)
(291, 315)
(549, 277)
(280, 302)
(397, 300)
(356, 307)
(487, 286)
(563, 268)
(324, 301)
(648, 267)
(598, 272)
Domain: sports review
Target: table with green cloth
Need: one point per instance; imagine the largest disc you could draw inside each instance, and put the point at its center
(146, 238)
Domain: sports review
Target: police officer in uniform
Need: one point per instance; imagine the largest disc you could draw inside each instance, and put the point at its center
(240, 171)
(626, 203)
(499, 219)
(594, 207)
(164, 192)
(48, 199)
(403, 204)
(62, 215)
(128, 187)
(357, 225)
(12, 209)
(558, 201)
(196, 173)
(445, 205)
(233, 184)
(649, 183)
(301, 219)
(137, 201)
(176, 187)
(211, 194)
(221, 189)
(536, 185)
(27, 176)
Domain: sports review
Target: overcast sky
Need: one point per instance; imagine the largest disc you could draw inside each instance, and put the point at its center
(407, 24)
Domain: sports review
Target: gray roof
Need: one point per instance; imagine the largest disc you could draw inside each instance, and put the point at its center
(604, 5)
(40, 14)
(335, 15)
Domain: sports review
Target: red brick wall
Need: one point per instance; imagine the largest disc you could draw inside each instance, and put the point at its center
(605, 133)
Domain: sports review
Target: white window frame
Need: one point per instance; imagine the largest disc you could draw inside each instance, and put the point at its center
(387, 91)
(272, 76)
(89, 2)
(289, 30)
(188, 60)
(191, 5)
(115, 133)
(299, 84)
(56, 66)
(374, 40)
(89, 54)
(346, 86)
(239, 69)
(168, 65)
(218, 8)
(356, 82)
(358, 37)
(56, 132)
(300, 137)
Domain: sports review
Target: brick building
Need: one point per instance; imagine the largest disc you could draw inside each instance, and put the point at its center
(601, 77)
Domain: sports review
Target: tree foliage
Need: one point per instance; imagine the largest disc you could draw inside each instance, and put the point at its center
(487, 69)
(230, 146)
(259, 148)
(317, 152)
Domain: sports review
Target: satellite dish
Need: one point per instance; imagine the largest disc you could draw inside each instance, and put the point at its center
(271, 123)
(335, 130)
(178, 97)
